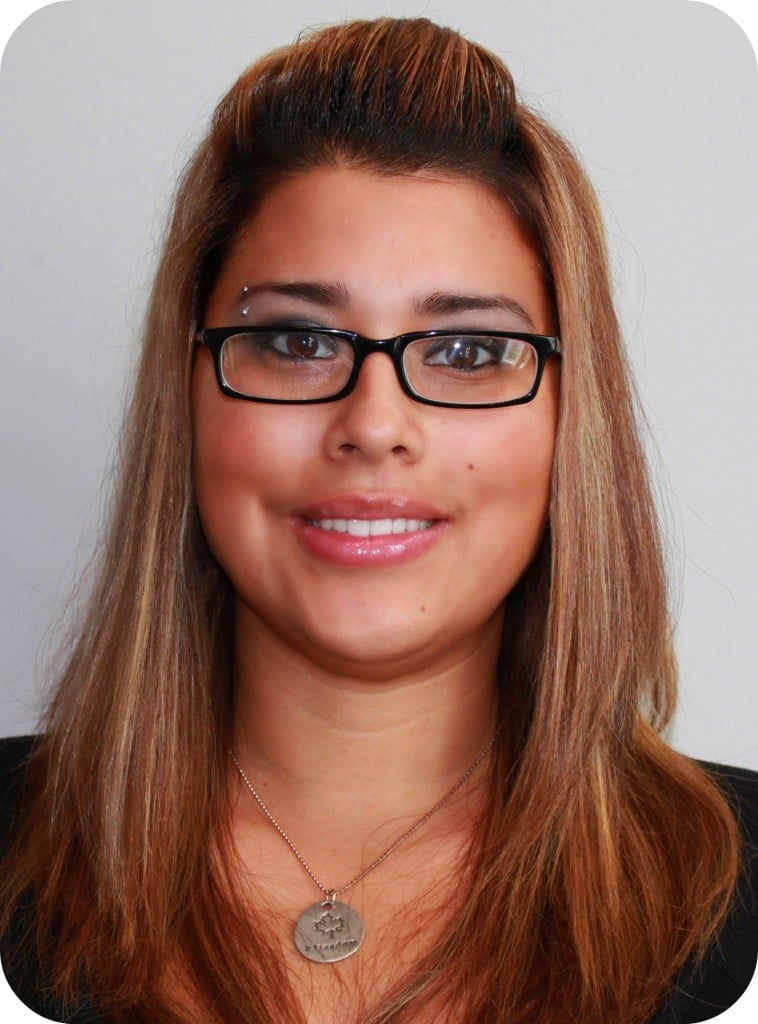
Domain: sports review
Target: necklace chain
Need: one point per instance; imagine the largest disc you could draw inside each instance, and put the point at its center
(331, 894)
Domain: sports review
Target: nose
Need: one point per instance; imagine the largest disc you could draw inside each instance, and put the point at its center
(377, 420)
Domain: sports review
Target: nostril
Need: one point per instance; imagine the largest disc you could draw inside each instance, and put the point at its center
(347, 448)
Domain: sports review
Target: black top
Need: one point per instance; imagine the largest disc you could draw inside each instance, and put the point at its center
(699, 994)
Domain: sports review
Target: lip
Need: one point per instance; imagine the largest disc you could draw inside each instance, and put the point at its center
(371, 506)
(386, 549)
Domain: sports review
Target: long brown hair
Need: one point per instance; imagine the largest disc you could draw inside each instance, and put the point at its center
(606, 860)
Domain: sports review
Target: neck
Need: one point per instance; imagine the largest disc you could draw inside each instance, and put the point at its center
(314, 738)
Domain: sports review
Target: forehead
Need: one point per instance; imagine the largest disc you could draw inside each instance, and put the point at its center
(393, 237)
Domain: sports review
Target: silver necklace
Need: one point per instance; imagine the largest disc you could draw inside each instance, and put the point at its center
(331, 930)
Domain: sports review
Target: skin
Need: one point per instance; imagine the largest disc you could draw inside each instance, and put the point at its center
(341, 669)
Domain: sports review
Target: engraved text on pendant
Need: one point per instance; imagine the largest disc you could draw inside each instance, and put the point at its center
(328, 932)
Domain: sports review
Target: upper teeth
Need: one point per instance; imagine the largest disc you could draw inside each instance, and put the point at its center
(372, 527)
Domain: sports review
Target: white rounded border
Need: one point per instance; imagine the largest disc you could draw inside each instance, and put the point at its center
(745, 14)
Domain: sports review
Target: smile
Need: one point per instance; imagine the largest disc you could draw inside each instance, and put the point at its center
(372, 527)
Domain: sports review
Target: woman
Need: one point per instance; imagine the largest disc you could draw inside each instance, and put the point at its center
(365, 721)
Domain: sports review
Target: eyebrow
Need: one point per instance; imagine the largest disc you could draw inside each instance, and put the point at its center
(323, 294)
(444, 303)
(440, 303)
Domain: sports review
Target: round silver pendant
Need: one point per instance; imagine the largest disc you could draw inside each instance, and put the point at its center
(327, 932)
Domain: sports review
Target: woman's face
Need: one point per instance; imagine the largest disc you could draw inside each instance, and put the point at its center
(380, 256)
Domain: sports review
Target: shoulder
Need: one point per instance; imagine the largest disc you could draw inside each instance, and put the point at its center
(15, 752)
(704, 991)
(740, 787)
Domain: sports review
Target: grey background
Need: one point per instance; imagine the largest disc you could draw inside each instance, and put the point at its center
(100, 103)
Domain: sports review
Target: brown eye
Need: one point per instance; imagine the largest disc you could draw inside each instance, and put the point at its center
(464, 356)
(303, 346)
(465, 353)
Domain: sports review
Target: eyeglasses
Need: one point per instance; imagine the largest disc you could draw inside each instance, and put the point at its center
(299, 365)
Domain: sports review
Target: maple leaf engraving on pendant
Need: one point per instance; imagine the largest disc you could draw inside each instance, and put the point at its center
(329, 924)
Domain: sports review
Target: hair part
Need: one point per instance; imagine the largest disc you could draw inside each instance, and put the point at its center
(606, 860)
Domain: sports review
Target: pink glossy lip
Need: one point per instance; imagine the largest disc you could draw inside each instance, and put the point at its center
(345, 549)
(370, 506)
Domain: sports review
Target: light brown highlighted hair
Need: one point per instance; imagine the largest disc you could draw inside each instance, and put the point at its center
(606, 860)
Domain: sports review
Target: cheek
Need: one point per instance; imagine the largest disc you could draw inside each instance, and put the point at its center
(239, 447)
(527, 452)
(519, 487)
(232, 459)
(508, 478)
(221, 443)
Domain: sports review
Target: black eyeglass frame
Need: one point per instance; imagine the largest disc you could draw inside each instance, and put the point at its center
(213, 338)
